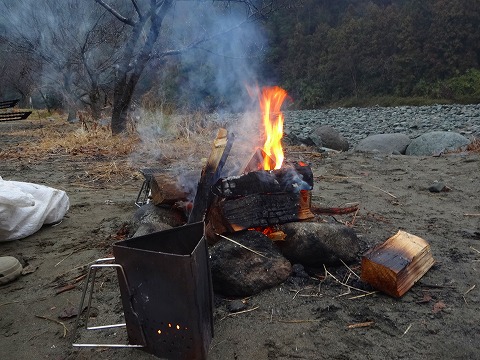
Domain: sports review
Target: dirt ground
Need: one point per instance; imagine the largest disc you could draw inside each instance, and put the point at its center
(438, 318)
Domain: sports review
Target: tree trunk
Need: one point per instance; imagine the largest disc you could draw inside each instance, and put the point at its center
(130, 74)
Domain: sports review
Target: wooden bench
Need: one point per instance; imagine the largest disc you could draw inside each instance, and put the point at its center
(12, 115)
(8, 103)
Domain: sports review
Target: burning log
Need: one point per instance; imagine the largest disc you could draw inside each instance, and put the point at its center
(394, 266)
(254, 210)
(291, 179)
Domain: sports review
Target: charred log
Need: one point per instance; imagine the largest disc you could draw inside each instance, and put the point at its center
(229, 215)
(290, 179)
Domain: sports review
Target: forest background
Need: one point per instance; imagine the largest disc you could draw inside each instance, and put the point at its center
(64, 55)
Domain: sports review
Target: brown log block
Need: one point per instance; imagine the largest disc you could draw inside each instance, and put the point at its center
(229, 215)
(394, 266)
(165, 189)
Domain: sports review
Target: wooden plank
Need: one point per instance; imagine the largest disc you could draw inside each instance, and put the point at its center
(8, 103)
(210, 174)
(394, 266)
(18, 115)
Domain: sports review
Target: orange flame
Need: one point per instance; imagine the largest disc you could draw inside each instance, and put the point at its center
(270, 103)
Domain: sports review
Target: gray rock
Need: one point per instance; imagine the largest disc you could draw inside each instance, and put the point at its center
(436, 142)
(149, 228)
(237, 271)
(326, 136)
(236, 306)
(314, 244)
(437, 187)
(155, 215)
(384, 143)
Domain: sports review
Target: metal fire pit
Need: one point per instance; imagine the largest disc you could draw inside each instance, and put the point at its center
(167, 291)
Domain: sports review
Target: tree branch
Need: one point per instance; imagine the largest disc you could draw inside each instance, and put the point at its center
(116, 13)
(137, 9)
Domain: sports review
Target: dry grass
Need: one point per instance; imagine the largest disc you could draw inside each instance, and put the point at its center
(474, 146)
(106, 158)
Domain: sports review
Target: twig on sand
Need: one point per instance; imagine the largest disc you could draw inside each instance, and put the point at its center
(65, 330)
(66, 257)
(377, 188)
(478, 251)
(358, 277)
(298, 321)
(240, 312)
(8, 303)
(243, 246)
(360, 325)
(298, 291)
(471, 214)
(342, 283)
(406, 330)
(466, 292)
(359, 183)
(363, 295)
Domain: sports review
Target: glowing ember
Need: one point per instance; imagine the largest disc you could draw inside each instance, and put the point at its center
(271, 101)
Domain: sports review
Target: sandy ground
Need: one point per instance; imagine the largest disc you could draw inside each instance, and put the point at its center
(438, 318)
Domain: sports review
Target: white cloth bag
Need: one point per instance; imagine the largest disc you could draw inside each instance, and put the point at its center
(26, 207)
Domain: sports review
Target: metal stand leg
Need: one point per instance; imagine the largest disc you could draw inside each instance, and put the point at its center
(143, 194)
(92, 271)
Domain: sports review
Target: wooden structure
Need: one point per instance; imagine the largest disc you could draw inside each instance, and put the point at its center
(12, 115)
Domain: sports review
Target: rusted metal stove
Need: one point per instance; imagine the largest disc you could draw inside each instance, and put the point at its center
(166, 292)
(170, 290)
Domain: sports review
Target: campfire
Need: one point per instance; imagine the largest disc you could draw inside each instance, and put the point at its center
(267, 192)
(169, 313)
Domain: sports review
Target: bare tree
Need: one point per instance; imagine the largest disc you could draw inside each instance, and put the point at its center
(146, 19)
(73, 45)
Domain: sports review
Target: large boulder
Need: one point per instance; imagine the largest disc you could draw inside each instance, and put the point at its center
(315, 244)
(436, 142)
(395, 143)
(237, 271)
(327, 137)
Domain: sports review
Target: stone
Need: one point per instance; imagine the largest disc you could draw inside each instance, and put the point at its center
(239, 272)
(327, 137)
(154, 215)
(438, 186)
(149, 228)
(436, 142)
(316, 244)
(394, 143)
(236, 306)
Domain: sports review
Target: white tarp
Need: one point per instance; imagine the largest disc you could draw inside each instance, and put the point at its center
(26, 207)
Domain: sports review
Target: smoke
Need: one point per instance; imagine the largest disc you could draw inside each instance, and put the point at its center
(222, 51)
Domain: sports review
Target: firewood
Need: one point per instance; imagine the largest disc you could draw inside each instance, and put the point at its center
(394, 266)
(290, 178)
(257, 161)
(165, 189)
(229, 215)
(210, 174)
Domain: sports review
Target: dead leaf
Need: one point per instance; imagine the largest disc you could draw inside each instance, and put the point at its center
(439, 306)
(426, 298)
(29, 269)
(68, 313)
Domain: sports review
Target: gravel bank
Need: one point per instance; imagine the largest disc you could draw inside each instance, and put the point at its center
(357, 123)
